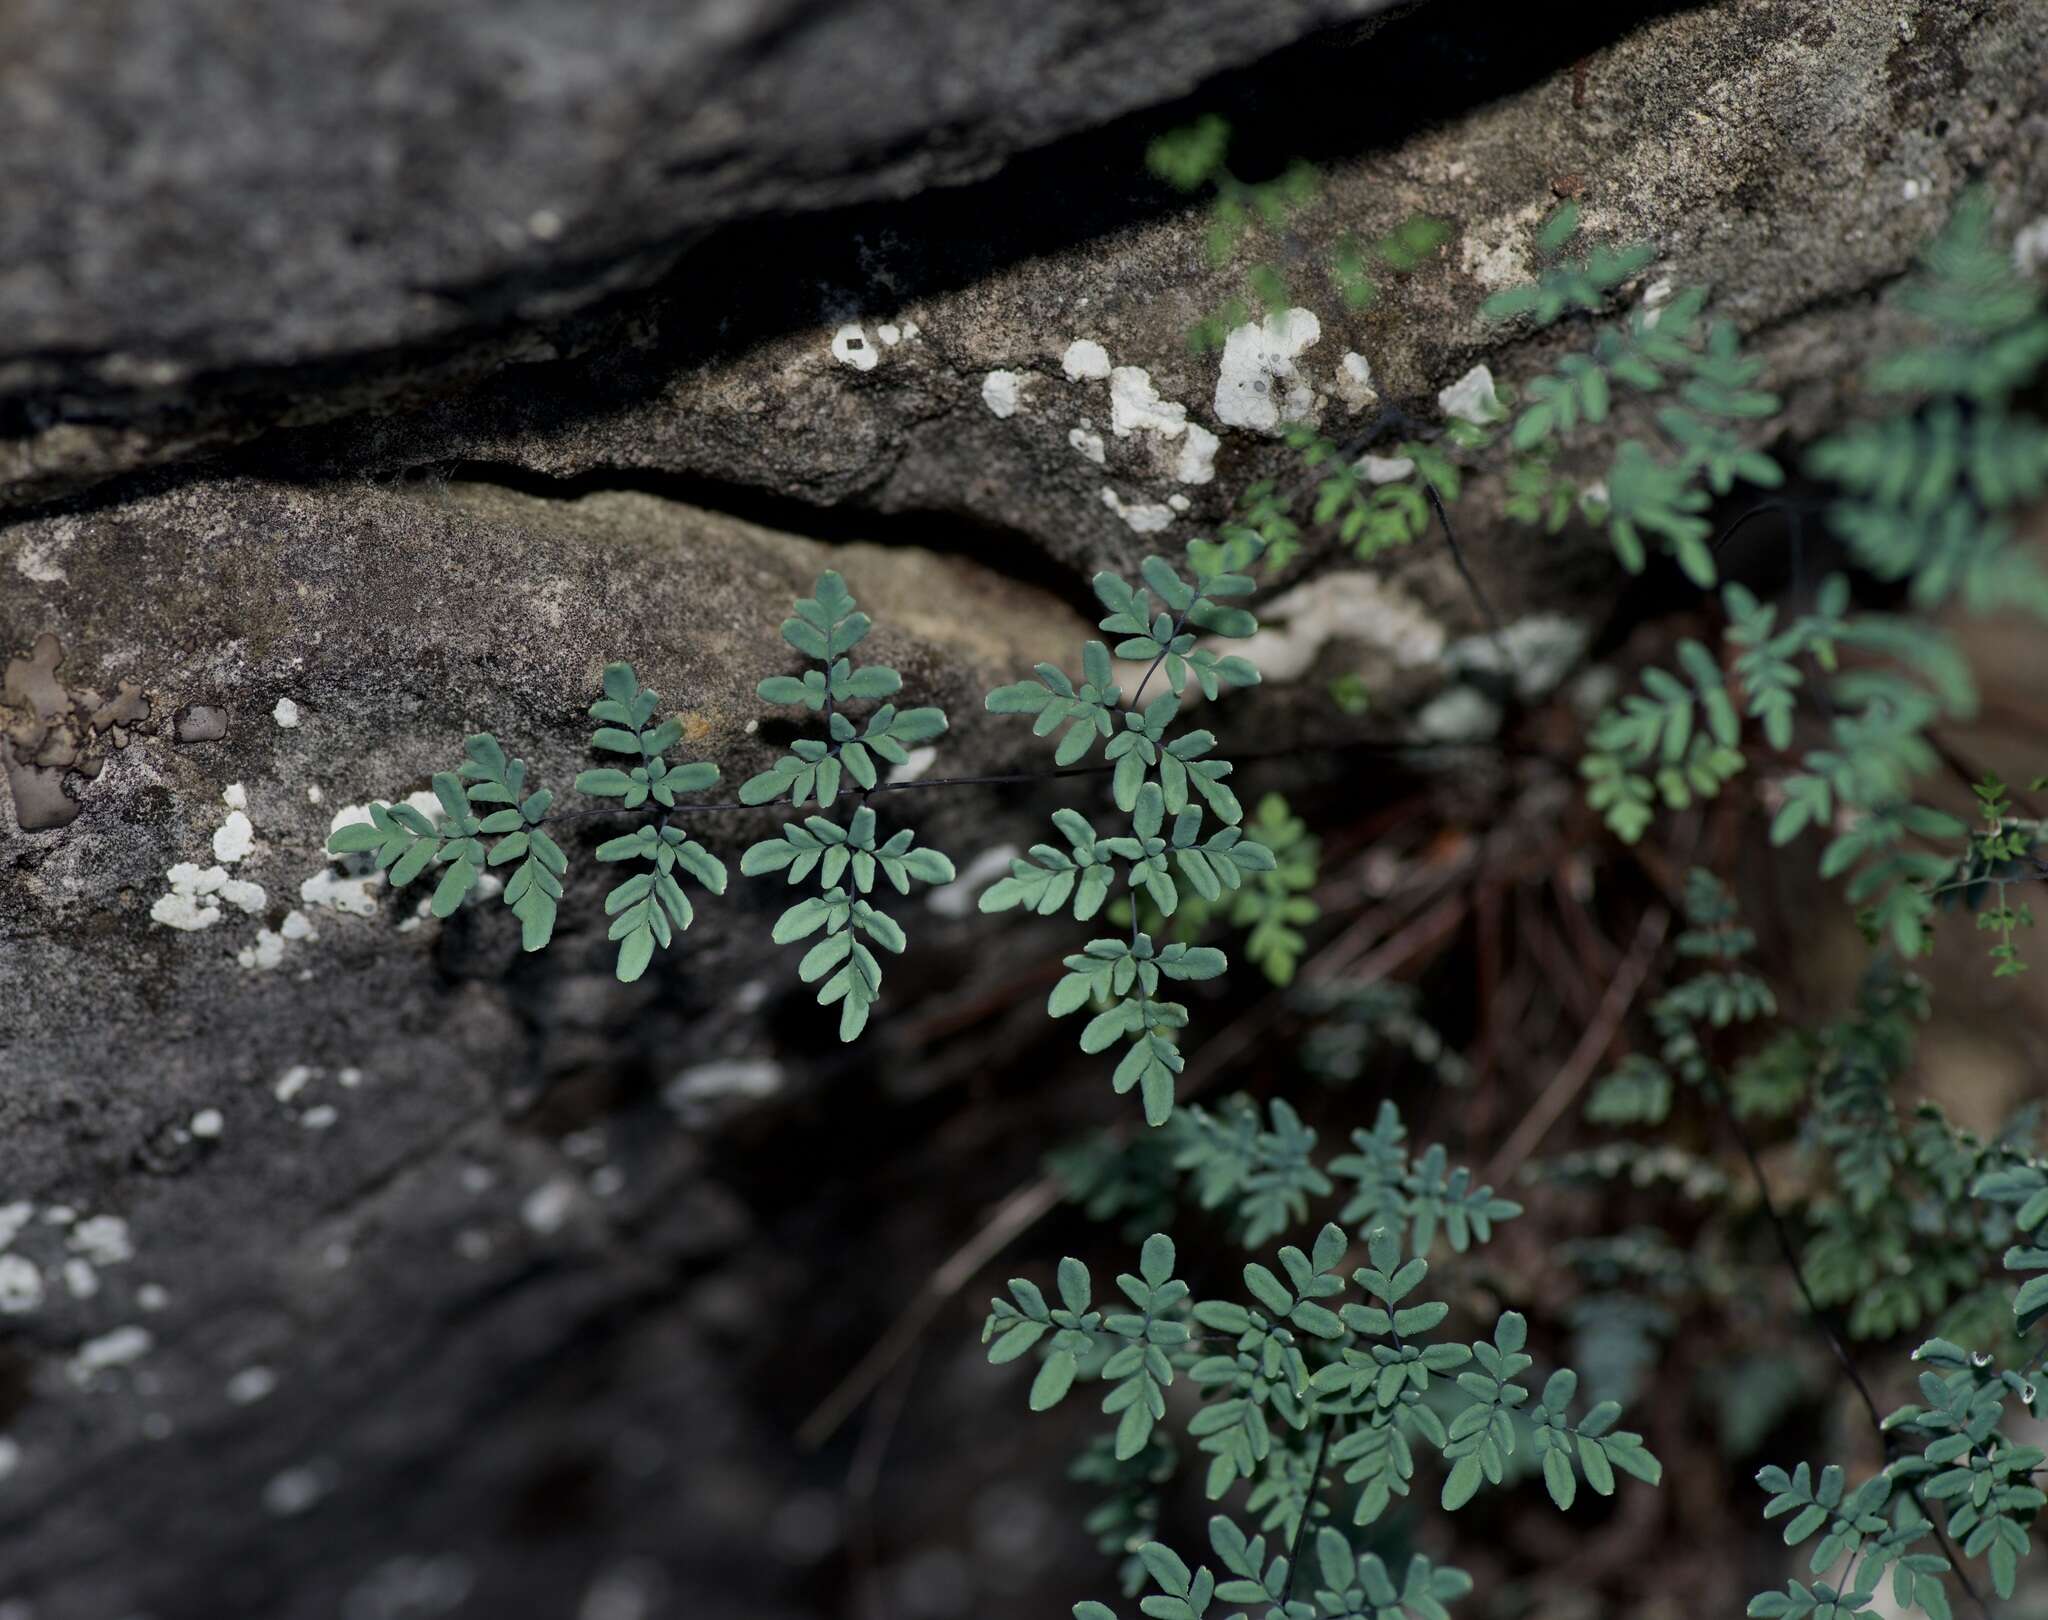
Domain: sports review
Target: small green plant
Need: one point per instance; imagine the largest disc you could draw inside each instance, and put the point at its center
(650, 907)
(1400, 252)
(1925, 497)
(1270, 909)
(1167, 783)
(1301, 1384)
(1332, 1381)
(1192, 160)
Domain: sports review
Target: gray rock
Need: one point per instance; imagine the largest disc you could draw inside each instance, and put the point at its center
(196, 193)
(1793, 156)
(373, 1189)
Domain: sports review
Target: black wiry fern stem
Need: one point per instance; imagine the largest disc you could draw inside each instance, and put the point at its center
(1841, 1351)
(1308, 1508)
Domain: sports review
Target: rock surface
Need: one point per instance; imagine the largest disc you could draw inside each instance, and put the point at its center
(369, 1185)
(197, 193)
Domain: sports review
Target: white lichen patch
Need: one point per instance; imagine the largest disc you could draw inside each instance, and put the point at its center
(916, 762)
(119, 1348)
(2030, 247)
(21, 1285)
(1350, 605)
(37, 561)
(191, 904)
(1459, 714)
(207, 1124)
(265, 954)
(320, 1117)
(286, 714)
(1180, 503)
(1089, 444)
(80, 1278)
(198, 894)
(1543, 649)
(13, 1217)
(1354, 382)
(1197, 463)
(704, 1090)
(1002, 392)
(352, 895)
(546, 1209)
(1135, 406)
(890, 333)
(243, 895)
(1383, 469)
(1472, 398)
(1143, 517)
(103, 1239)
(293, 1081)
(295, 1490)
(850, 347)
(251, 1385)
(1495, 252)
(268, 951)
(1259, 385)
(1085, 361)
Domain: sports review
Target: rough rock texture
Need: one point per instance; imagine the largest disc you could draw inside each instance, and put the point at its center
(1704, 130)
(215, 187)
(1792, 155)
(402, 1170)
(389, 1272)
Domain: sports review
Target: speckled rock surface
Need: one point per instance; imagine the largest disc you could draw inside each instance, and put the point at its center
(1792, 155)
(213, 196)
(362, 1192)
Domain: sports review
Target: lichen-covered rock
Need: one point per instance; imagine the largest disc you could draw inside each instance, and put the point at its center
(205, 205)
(1793, 156)
(324, 1129)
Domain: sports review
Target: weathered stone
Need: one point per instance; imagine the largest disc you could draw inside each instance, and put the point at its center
(1786, 155)
(1792, 155)
(194, 195)
(360, 1126)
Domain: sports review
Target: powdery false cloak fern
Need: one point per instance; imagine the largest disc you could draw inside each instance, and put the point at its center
(649, 907)
(1167, 782)
(405, 841)
(827, 626)
(646, 908)
(845, 859)
(485, 800)
(1299, 1381)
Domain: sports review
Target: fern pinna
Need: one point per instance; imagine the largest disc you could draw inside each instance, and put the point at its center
(650, 907)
